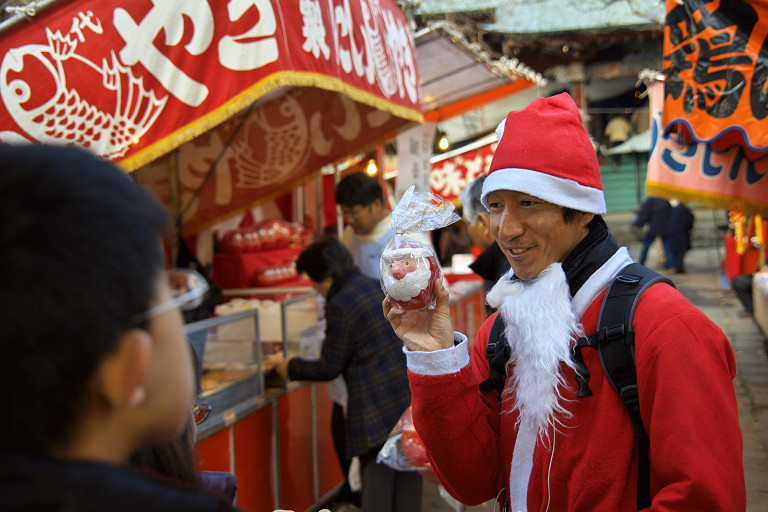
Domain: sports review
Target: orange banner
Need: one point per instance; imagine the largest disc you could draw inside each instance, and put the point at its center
(716, 67)
(700, 173)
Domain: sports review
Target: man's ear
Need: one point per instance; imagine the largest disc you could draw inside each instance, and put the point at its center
(120, 375)
(587, 218)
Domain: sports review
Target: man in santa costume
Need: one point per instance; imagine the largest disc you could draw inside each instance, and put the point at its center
(540, 446)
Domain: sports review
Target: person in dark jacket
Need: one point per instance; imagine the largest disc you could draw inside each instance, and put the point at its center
(361, 345)
(95, 360)
(655, 213)
(680, 226)
(491, 264)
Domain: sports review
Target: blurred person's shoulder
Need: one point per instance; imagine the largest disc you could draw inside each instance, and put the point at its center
(50, 485)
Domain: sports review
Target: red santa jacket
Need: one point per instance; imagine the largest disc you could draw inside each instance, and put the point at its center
(685, 368)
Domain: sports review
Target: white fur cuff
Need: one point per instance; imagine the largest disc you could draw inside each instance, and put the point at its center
(440, 362)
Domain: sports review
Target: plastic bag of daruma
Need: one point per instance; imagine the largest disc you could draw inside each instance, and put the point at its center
(408, 268)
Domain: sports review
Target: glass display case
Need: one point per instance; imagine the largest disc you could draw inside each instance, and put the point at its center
(303, 329)
(236, 345)
(230, 354)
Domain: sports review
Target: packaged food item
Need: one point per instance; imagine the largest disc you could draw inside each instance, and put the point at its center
(408, 267)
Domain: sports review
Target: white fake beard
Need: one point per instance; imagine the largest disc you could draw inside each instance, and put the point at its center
(409, 286)
(540, 327)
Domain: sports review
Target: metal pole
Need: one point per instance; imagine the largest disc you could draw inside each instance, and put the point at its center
(319, 224)
(277, 487)
(339, 216)
(25, 13)
(315, 446)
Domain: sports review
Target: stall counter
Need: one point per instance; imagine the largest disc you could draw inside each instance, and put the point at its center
(278, 445)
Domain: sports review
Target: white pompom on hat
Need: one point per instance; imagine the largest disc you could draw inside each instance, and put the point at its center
(545, 151)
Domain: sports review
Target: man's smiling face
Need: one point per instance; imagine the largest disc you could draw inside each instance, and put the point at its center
(531, 232)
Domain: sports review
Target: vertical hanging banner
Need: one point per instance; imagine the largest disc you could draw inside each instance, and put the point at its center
(716, 67)
(135, 79)
(414, 149)
(700, 173)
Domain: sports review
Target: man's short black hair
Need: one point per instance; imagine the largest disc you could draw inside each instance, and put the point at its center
(323, 258)
(569, 214)
(358, 189)
(81, 255)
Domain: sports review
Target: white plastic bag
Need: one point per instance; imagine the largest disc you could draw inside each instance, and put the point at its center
(403, 449)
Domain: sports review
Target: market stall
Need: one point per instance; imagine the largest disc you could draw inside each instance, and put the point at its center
(218, 106)
(222, 106)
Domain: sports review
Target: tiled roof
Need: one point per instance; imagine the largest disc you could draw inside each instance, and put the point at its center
(546, 16)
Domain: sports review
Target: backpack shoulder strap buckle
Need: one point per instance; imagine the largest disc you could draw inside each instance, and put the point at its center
(497, 353)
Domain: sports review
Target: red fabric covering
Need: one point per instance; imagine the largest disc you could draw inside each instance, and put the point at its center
(544, 151)
(105, 78)
(239, 270)
(735, 263)
(452, 278)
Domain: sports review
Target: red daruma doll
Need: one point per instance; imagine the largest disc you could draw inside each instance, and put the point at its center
(408, 267)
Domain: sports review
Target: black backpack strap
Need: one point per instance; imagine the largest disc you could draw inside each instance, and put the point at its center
(616, 346)
(497, 352)
(582, 372)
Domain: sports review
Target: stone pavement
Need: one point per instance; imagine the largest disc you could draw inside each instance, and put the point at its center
(702, 284)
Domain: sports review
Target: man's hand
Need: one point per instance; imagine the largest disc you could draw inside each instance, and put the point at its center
(423, 330)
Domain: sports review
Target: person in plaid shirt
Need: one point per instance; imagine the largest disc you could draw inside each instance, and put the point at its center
(361, 345)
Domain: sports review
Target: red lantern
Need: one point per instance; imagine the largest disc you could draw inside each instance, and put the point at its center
(233, 242)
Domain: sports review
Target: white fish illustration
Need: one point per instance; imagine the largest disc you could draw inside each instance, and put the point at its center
(280, 150)
(60, 115)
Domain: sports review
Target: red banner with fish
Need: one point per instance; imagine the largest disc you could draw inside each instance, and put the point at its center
(261, 154)
(716, 67)
(133, 80)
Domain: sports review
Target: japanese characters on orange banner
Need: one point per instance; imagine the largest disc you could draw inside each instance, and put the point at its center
(135, 79)
(449, 176)
(699, 172)
(716, 66)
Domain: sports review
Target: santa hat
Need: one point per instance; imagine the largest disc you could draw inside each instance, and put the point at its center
(544, 151)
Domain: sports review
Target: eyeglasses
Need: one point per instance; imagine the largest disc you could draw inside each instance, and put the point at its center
(187, 290)
(352, 215)
(201, 412)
